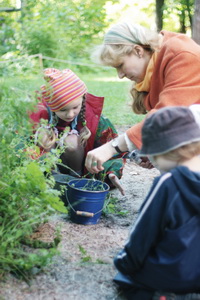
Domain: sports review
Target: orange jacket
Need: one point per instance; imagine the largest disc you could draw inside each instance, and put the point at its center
(175, 80)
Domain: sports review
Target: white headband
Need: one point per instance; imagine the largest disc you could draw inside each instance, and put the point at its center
(126, 33)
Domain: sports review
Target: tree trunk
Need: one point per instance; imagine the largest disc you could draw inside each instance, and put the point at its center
(159, 14)
(188, 5)
(196, 23)
(182, 22)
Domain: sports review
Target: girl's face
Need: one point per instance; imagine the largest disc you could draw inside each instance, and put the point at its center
(70, 111)
(162, 163)
(133, 66)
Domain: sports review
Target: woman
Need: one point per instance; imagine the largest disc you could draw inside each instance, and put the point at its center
(164, 68)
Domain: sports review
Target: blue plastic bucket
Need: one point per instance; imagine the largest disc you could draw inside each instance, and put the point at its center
(86, 200)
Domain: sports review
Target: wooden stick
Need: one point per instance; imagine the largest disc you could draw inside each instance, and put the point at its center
(84, 213)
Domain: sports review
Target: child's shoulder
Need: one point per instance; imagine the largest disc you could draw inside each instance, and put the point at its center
(180, 177)
(163, 178)
(40, 112)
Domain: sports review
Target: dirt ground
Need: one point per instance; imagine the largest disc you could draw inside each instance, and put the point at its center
(71, 276)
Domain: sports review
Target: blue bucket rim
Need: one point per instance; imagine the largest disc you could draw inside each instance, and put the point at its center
(78, 189)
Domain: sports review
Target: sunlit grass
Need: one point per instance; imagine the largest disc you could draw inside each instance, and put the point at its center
(117, 103)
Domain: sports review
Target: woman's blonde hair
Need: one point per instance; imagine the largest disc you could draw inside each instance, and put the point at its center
(119, 42)
(184, 152)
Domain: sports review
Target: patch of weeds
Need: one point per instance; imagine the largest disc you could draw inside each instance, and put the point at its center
(100, 262)
(111, 207)
(84, 255)
(33, 242)
(87, 258)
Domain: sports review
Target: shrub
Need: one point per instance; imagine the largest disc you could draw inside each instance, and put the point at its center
(27, 196)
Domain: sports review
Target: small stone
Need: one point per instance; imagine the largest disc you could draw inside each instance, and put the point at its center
(133, 173)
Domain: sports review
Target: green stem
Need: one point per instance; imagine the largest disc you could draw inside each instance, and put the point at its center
(61, 164)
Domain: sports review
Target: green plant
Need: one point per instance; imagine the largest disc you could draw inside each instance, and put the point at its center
(111, 207)
(27, 196)
(92, 185)
(85, 257)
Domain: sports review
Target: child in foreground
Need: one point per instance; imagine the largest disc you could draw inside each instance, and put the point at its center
(74, 123)
(160, 260)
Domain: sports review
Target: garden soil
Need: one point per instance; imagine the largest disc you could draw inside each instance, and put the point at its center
(84, 269)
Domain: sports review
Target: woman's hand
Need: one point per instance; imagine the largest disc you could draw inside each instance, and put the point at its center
(96, 157)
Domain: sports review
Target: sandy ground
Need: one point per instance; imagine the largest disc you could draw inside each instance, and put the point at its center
(70, 276)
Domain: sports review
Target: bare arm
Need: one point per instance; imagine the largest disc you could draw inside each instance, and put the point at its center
(96, 157)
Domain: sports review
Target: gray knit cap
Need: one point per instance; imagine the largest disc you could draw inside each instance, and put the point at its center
(167, 129)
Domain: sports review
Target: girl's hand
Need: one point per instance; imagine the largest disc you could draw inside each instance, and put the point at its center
(116, 182)
(45, 137)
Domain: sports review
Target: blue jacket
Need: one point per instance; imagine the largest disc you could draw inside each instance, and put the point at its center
(163, 250)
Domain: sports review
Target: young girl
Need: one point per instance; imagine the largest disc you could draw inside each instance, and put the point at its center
(160, 260)
(73, 121)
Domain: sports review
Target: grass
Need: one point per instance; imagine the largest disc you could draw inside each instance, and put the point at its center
(117, 104)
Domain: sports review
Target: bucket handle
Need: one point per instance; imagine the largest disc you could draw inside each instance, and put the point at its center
(84, 213)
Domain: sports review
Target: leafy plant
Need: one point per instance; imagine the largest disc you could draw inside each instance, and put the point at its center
(27, 196)
(111, 207)
(85, 257)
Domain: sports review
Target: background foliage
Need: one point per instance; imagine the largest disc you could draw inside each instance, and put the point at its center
(54, 28)
(69, 29)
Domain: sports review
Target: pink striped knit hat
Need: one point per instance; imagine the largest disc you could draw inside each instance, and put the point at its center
(62, 88)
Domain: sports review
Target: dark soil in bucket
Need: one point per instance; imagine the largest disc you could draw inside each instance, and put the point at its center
(84, 270)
